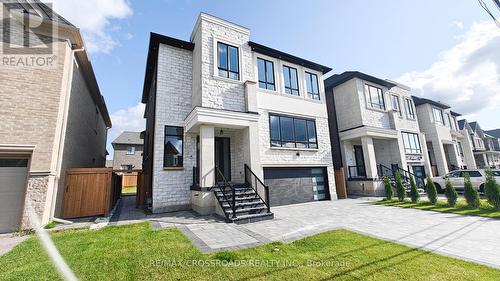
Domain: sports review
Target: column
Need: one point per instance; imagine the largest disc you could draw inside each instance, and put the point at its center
(369, 154)
(252, 152)
(440, 155)
(207, 156)
(425, 152)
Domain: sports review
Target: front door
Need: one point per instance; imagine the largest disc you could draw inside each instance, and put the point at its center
(419, 172)
(360, 161)
(223, 159)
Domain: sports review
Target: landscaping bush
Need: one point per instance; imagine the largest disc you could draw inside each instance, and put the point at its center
(492, 190)
(430, 188)
(388, 188)
(470, 193)
(414, 195)
(400, 189)
(451, 194)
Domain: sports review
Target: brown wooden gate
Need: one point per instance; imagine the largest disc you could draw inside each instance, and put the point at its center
(90, 192)
(340, 183)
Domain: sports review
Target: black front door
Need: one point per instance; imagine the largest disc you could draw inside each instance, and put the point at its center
(360, 161)
(419, 172)
(223, 158)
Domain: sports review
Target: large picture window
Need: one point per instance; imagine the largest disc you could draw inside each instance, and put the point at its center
(411, 143)
(227, 58)
(291, 80)
(438, 115)
(374, 97)
(173, 149)
(292, 132)
(410, 111)
(266, 74)
(312, 86)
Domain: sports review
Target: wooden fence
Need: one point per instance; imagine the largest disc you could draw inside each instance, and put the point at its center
(90, 192)
(129, 179)
(340, 183)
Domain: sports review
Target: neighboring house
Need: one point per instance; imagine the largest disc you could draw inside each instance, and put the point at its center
(485, 147)
(495, 134)
(128, 147)
(222, 109)
(53, 118)
(446, 143)
(374, 131)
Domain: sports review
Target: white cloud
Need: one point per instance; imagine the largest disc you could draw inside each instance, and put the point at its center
(93, 18)
(466, 76)
(458, 24)
(129, 119)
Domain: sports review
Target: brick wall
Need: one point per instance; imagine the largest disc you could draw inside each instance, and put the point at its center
(120, 156)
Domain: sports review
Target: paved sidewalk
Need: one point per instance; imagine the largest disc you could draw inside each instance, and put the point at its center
(9, 241)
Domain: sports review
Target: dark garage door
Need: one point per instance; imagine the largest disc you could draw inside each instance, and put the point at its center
(296, 185)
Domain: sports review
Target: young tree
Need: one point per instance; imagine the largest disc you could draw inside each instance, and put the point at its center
(451, 194)
(414, 195)
(400, 189)
(430, 188)
(492, 190)
(470, 193)
(388, 188)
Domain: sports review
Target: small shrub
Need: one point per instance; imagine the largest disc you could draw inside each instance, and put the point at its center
(470, 193)
(430, 188)
(388, 189)
(492, 190)
(414, 195)
(50, 225)
(451, 194)
(400, 189)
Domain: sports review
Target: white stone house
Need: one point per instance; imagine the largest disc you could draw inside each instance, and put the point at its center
(485, 146)
(219, 103)
(449, 147)
(378, 131)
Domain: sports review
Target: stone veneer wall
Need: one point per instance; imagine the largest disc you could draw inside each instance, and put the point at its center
(36, 194)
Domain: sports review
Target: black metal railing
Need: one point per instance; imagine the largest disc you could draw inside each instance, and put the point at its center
(384, 171)
(229, 198)
(254, 182)
(357, 172)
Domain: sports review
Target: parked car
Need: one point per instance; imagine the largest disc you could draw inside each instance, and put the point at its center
(477, 178)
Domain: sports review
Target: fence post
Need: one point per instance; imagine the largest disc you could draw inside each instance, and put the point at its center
(266, 189)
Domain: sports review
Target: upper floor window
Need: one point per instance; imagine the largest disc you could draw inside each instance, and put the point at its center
(438, 115)
(411, 143)
(173, 149)
(291, 80)
(227, 58)
(292, 132)
(448, 119)
(395, 104)
(312, 86)
(131, 150)
(374, 97)
(266, 74)
(410, 110)
(126, 167)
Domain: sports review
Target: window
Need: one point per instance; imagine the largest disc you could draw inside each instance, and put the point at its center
(410, 111)
(374, 97)
(496, 173)
(312, 86)
(472, 174)
(395, 104)
(172, 153)
(438, 115)
(455, 174)
(292, 132)
(266, 74)
(460, 149)
(131, 150)
(411, 143)
(448, 119)
(126, 167)
(228, 64)
(291, 80)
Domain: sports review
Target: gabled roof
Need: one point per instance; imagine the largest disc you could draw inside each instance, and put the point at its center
(495, 133)
(462, 124)
(37, 8)
(419, 101)
(338, 79)
(128, 137)
(473, 126)
(287, 57)
(455, 113)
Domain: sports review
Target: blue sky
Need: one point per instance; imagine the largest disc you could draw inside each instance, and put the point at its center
(414, 42)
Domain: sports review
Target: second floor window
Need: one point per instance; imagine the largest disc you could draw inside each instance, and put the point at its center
(395, 104)
(266, 74)
(312, 86)
(438, 115)
(374, 97)
(172, 153)
(292, 132)
(410, 111)
(411, 143)
(291, 80)
(131, 150)
(228, 64)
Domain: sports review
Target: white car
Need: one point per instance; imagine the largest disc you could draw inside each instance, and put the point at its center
(477, 178)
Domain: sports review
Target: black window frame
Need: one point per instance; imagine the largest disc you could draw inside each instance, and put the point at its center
(290, 79)
(410, 109)
(273, 84)
(380, 97)
(312, 95)
(182, 144)
(227, 69)
(441, 114)
(409, 149)
(308, 144)
(396, 98)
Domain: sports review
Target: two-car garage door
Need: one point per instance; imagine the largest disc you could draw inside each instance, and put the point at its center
(13, 175)
(296, 185)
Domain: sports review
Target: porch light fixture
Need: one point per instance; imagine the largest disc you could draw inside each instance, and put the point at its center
(221, 132)
(297, 154)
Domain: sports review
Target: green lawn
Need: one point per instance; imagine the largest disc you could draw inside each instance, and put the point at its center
(128, 190)
(485, 209)
(137, 252)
